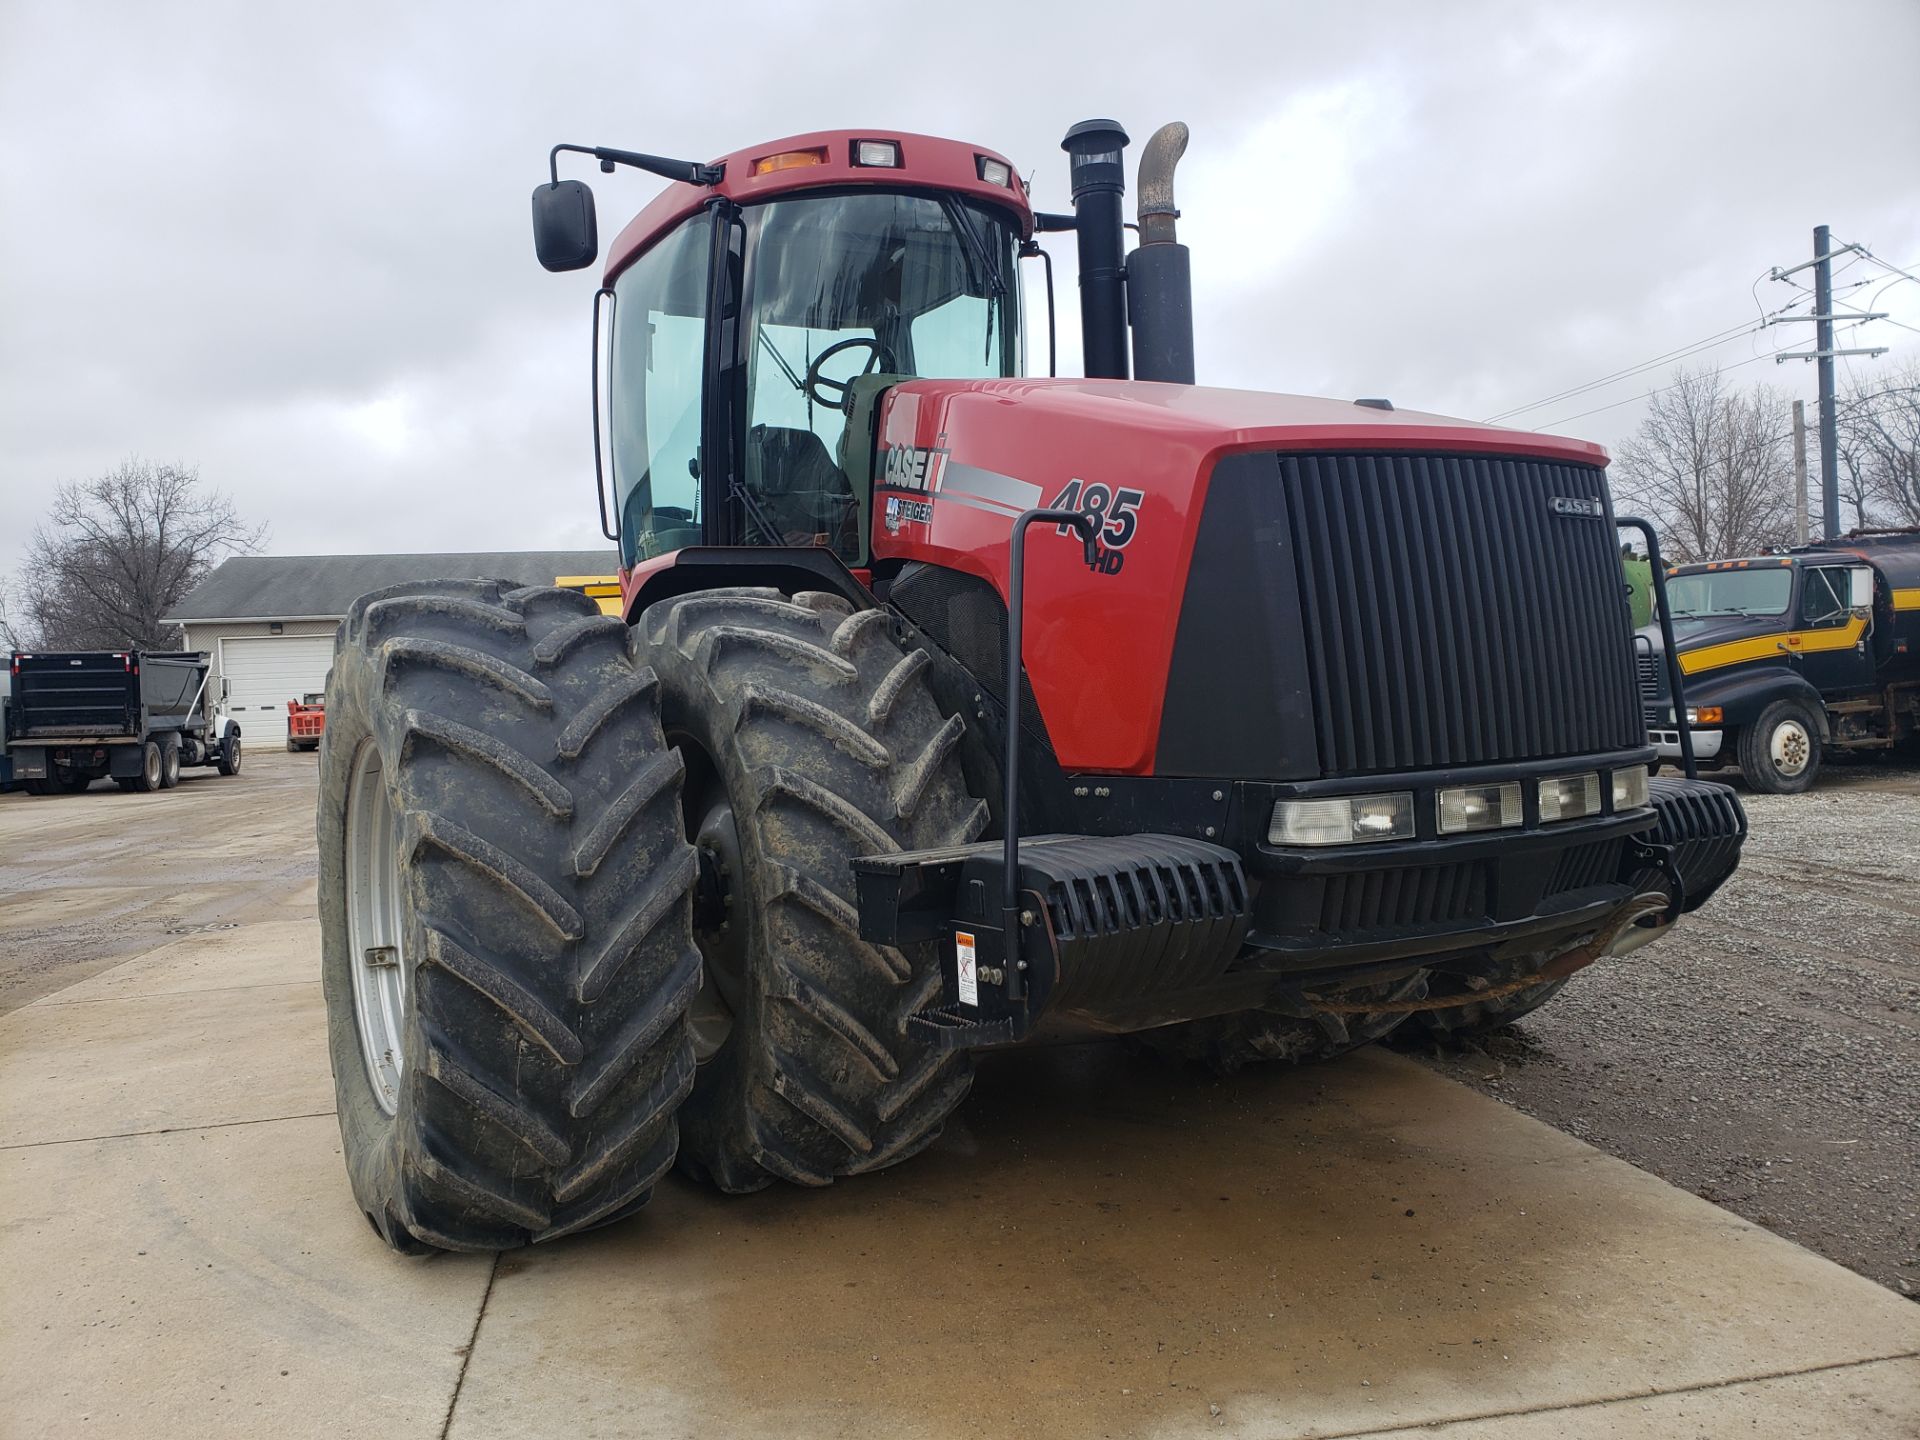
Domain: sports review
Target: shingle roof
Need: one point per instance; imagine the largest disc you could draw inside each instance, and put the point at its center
(284, 587)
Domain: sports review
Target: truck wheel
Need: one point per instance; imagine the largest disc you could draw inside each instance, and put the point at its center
(1482, 1017)
(1780, 752)
(504, 906)
(169, 762)
(811, 737)
(291, 747)
(1226, 1043)
(229, 761)
(151, 769)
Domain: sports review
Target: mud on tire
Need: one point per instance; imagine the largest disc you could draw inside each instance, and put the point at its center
(544, 882)
(817, 728)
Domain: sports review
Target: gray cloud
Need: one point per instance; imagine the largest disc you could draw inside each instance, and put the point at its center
(290, 244)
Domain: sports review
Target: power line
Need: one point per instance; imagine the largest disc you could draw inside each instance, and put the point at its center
(1649, 394)
(1692, 347)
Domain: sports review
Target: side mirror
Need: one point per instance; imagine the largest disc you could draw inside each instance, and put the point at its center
(223, 687)
(565, 235)
(1861, 578)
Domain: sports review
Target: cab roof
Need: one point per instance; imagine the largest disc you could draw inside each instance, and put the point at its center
(927, 162)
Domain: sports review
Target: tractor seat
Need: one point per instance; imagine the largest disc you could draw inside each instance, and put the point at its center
(807, 497)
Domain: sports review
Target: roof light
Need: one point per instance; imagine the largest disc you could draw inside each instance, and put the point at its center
(1346, 820)
(877, 152)
(789, 160)
(994, 172)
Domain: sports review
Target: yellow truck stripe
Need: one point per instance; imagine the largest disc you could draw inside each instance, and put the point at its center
(1759, 647)
(1906, 599)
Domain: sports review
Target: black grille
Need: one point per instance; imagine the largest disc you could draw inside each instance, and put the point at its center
(1648, 673)
(1584, 866)
(1452, 617)
(1413, 895)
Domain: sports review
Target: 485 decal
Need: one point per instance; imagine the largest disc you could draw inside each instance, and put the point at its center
(1118, 510)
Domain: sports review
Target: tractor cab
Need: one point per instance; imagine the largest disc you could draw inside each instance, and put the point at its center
(801, 270)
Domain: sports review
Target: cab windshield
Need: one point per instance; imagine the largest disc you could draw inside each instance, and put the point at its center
(1727, 593)
(839, 286)
(832, 287)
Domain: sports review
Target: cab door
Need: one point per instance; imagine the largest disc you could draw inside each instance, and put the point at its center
(1832, 633)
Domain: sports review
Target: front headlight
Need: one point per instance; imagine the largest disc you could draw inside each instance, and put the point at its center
(1342, 820)
(1568, 797)
(1479, 807)
(1630, 788)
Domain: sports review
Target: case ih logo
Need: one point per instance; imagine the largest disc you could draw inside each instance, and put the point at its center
(1587, 508)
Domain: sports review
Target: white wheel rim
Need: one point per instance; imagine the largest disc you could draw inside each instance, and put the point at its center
(376, 927)
(1790, 748)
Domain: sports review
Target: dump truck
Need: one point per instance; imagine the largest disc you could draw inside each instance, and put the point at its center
(1790, 658)
(306, 721)
(138, 716)
(950, 708)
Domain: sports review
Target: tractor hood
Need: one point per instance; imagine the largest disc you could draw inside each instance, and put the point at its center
(1284, 501)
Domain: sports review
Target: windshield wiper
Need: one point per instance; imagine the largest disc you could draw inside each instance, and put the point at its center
(977, 253)
(793, 378)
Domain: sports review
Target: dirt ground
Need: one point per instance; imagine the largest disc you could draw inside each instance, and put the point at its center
(1766, 1056)
(194, 858)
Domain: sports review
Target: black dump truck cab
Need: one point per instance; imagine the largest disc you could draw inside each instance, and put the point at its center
(74, 717)
(1791, 657)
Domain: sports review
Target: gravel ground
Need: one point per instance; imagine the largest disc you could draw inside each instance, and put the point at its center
(1766, 1056)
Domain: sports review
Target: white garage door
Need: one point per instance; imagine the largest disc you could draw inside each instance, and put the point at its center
(264, 673)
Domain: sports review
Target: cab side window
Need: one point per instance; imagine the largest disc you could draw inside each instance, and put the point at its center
(1823, 599)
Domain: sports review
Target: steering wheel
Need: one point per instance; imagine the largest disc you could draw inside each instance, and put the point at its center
(838, 394)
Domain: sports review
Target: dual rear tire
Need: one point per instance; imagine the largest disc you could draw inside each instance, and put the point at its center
(507, 901)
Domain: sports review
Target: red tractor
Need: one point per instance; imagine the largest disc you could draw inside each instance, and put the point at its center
(1302, 720)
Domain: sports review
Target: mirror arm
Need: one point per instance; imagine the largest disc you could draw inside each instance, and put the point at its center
(684, 170)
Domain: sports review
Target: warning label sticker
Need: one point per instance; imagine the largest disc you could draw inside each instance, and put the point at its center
(968, 970)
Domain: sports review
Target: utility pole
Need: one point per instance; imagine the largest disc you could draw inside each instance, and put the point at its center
(1823, 346)
(1823, 354)
(1799, 472)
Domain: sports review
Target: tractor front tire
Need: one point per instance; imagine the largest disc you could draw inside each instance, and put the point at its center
(1226, 1043)
(504, 903)
(811, 738)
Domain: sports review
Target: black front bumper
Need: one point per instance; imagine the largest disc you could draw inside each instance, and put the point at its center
(1126, 932)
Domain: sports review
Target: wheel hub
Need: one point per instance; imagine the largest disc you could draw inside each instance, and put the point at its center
(376, 927)
(719, 929)
(1791, 747)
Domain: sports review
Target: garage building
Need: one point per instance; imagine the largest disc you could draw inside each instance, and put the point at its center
(268, 620)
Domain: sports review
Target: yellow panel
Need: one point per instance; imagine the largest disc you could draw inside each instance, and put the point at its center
(1759, 647)
(602, 589)
(1906, 599)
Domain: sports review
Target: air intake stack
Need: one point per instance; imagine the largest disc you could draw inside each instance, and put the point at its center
(1098, 179)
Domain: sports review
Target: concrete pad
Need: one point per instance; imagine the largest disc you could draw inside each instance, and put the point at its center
(1875, 1401)
(153, 1062)
(1106, 1246)
(217, 1283)
(275, 952)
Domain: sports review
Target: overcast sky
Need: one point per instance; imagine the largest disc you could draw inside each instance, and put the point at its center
(289, 244)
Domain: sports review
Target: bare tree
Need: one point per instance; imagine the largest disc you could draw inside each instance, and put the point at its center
(1879, 422)
(119, 551)
(1713, 467)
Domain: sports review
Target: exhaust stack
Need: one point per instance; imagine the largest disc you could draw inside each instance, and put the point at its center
(1159, 273)
(1098, 179)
